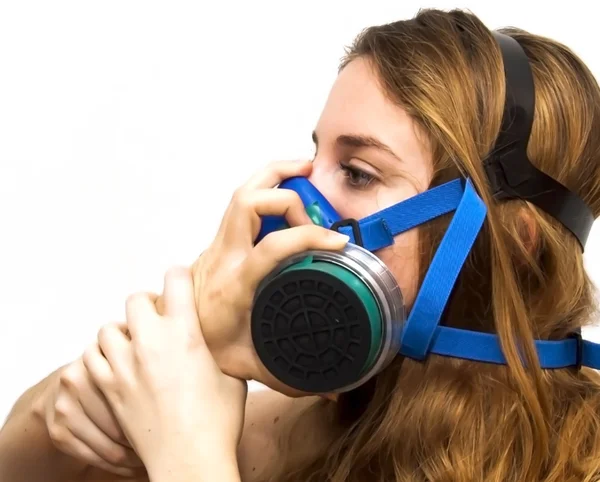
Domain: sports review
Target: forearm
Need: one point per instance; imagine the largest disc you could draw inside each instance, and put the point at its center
(26, 451)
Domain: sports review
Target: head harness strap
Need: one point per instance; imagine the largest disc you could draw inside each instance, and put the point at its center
(509, 170)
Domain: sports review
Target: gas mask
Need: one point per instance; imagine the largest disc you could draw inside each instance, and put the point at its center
(328, 321)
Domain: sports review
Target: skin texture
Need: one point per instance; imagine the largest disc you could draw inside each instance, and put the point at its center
(357, 106)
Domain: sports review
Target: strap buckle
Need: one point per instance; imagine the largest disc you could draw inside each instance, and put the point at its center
(579, 355)
(353, 223)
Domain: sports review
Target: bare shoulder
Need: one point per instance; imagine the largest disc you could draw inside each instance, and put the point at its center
(267, 412)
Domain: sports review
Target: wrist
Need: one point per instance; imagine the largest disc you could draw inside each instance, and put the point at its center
(236, 361)
(198, 466)
(234, 355)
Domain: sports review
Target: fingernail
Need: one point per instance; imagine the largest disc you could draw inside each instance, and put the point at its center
(339, 237)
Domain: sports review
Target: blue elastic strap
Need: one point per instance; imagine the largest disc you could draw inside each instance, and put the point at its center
(379, 229)
(421, 333)
(485, 347)
(442, 274)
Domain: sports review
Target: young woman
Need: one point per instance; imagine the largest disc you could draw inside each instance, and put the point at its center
(417, 104)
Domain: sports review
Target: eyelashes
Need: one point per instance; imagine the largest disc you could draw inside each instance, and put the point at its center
(356, 178)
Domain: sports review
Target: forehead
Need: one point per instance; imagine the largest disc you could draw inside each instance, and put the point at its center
(357, 104)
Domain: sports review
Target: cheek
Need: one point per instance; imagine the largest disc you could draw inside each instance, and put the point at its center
(402, 259)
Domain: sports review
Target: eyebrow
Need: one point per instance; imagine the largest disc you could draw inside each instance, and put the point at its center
(360, 141)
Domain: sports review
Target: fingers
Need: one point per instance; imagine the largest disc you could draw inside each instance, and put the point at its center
(98, 367)
(179, 298)
(277, 172)
(241, 222)
(140, 309)
(249, 206)
(74, 447)
(87, 432)
(114, 344)
(74, 433)
(96, 407)
(279, 245)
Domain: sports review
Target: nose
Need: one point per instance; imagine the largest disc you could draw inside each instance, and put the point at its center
(322, 180)
(327, 184)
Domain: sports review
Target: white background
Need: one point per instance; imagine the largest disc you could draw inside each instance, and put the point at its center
(126, 125)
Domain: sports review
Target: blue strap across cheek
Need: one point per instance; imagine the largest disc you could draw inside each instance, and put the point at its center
(421, 333)
(378, 230)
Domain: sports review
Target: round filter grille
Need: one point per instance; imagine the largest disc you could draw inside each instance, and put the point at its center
(311, 330)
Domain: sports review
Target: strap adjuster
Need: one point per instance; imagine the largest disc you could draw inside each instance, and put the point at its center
(579, 354)
(353, 223)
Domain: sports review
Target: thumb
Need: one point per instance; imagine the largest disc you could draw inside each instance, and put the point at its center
(179, 298)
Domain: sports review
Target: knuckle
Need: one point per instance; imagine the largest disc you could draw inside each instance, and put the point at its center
(291, 197)
(242, 199)
(88, 356)
(70, 377)
(62, 409)
(105, 329)
(271, 241)
(104, 334)
(133, 299)
(59, 435)
(236, 194)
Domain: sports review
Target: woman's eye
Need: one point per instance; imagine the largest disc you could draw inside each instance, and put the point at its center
(356, 178)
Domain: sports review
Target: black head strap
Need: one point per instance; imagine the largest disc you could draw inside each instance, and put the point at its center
(510, 172)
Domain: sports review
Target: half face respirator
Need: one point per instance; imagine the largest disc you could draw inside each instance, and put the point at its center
(326, 321)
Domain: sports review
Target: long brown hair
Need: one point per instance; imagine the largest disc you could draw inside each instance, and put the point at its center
(454, 420)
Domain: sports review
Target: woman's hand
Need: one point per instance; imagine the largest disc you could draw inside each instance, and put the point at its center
(81, 424)
(180, 413)
(227, 274)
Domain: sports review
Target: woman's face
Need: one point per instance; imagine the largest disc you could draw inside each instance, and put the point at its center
(369, 156)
